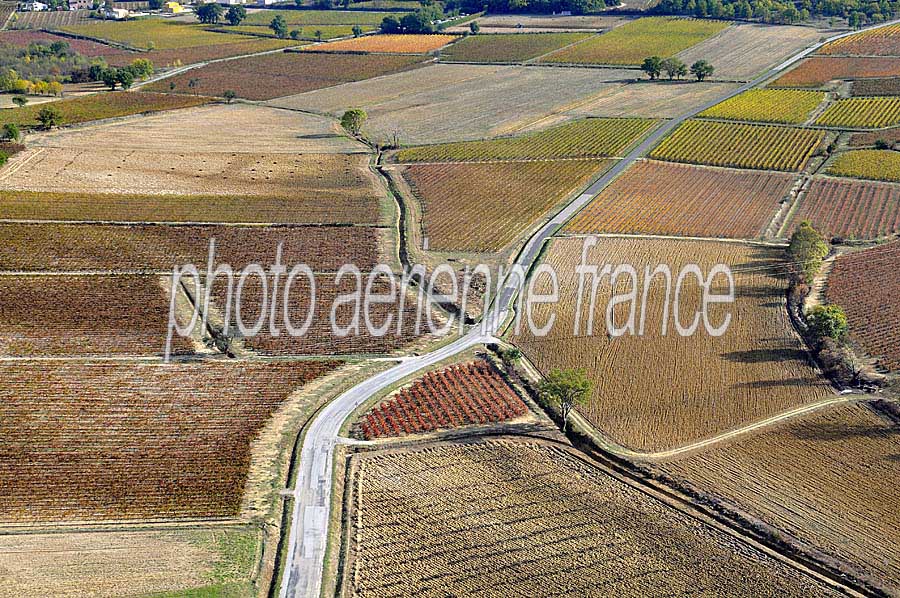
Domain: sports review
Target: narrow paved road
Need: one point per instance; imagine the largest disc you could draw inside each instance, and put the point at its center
(312, 493)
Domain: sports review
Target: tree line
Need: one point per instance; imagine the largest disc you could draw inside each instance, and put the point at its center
(674, 68)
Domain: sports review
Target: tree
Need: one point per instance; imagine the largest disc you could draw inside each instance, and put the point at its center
(20, 101)
(353, 120)
(141, 68)
(110, 78)
(295, 34)
(11, 132)
(125, 78)
(390, 25)
(210, 13)
(674, 68)
(193, 83)
(828, 321)
(54, 88)
(566, 388)
(156, 4)
(357, 31)
(652, 66)
(279, 27)
(49, 117)
(235, 15)
(807, 250)
(474, 27)
(318, 35)
(702, 69)
(229, 95)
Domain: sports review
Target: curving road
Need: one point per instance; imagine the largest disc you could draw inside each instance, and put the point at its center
(312, 492)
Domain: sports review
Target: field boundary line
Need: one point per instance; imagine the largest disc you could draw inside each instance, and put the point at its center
(506, 161)
(19, 164)
(741, 241)
(566, 47)
(183, 223)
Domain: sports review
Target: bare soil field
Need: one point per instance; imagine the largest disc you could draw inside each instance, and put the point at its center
(62, 247)
(675, 199)
(747, 49)
(825, 479)
(455, 102)
(538, 521)
(482, 208)
(235, 128)
(131, 441)
(756, 369)
(85, 315)
(183, 172)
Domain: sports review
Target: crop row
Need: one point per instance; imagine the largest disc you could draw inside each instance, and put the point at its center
(819, 70)
(876, 87)
(884, 41)
(862, 113)
(472, 393)
(768, 105)
(126, 441)
(586, 138)
(740, 145)
(678, 199)
(394, 43)
(853, 209)
(879, 165)
(82, 46)
(194, 54)
(509, 47)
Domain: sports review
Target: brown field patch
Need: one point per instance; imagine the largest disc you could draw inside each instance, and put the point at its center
(889, 136)
(819, 70)
(396, 43)
(884, 41)
(551, 22)
(850, 208)
(194, 54)
(756, 369)
(84, 47)
(826, 479)
(867, 285)
(876, 87)
(485, 207)
(521, 512)
(165, 440)
(675, 199)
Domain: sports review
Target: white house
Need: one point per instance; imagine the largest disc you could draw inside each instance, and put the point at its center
(119, 14)
(80, 4)
(34, 6)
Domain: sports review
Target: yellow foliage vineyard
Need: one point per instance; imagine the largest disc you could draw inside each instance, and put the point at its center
(765, 147)
(768, 105)
(874, 112)
(880, 165)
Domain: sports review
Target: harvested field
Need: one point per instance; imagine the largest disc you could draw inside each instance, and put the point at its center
(756, 369)
(826, 479)
(102, 105)
(194, 54)
(879, 165)
(303, 207)
(399, 44)
(851, 209)
(870, 113)
(85, 315)
(453, 102)
(184, 172)
(768, 105)
(636, 40)
(867, 285)
(482, 208)
(676, 199)
(521, 511)
(819, 70)
(460, 395)
(889, 136)
(129, 441)
(51, 19)
(226, 128)
(876, 87)
(147, 247)
(509, 47)
(158, 34)
(319, 17)
(587, 138)
(884, 41)
(273, 75)
(740, 145)
(745, 50)
(82, 46)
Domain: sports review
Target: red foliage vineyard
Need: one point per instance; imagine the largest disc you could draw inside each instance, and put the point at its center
(848, 208)
(867, 285)
(460, 395)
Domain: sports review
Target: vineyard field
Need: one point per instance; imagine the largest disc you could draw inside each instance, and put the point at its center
(768, 105)
(632, 42)
(851, 209)
(152, 34)
(661, 198)
(398, 44)
(509, 47)
(320, 17)
(867, 285)
(84, 47)
(876, 87)
(132, 441)
(884, 41)
(800, 478)
(483, 208)
(586, 138)
(871, 113)
(461, 395)
(67, 247)
(194, 54)
(879, 165)
(819, 70)
(715, 383)
(84, 315)
(521, 510)
(889, 136)
(740, 145)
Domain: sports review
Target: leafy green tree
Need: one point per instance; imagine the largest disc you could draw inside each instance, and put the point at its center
(652, 66)
(11, 132)
(20, 101)
(807, 251)
(125, 78)
(828, 321)
(210, 13)
(353, 120)
(474, 27)
(235, 15)
(318, 35)
(295, 34)
(49, 117)
(279, 26)
(110, 78)
(390, 25)
(141, 68)
(357, 31)
(674, 68)
(702, 69)
(567, 389)
(4, 158)
(229, 95)
(155, 4)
